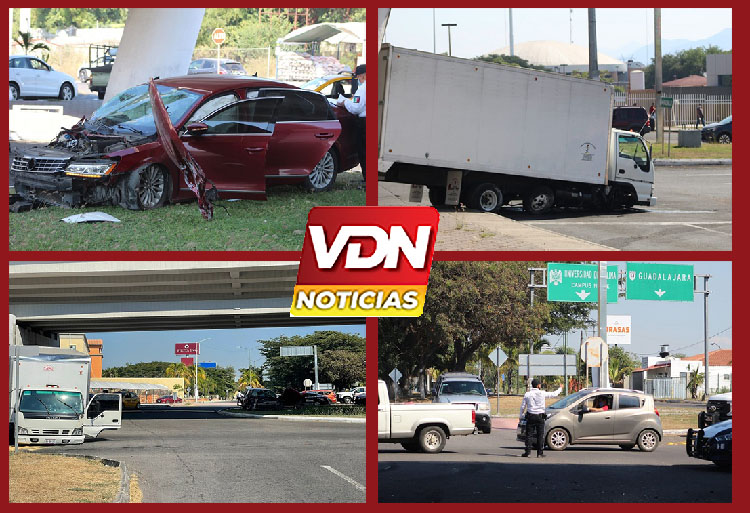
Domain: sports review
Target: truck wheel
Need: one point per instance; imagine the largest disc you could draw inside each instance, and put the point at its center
(648, 440)
(100, 94)
(437, 196)
(410, 446)
(488, 429)
(346, 400)
(539, 200)
(486, 197)
(432, 439)
(557, 439)
(702, 419)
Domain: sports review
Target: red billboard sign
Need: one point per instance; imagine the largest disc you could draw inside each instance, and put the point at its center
(187, 361)
(187, 348)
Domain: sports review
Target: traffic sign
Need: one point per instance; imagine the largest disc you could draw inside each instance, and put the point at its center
(497, 356)
(659, 282)
(296, 351)
(218, 36)
(395, 375)
(579, 283)
(547, 364)
(666, 102)
(596, 349)
(187, 348)
(207, 365)
(618, 329)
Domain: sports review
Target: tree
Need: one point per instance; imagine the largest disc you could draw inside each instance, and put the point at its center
(250, 378)
(621, 364)
(343, 368)
(293, 370)
(25, 42)
(695, 380)
(509, 60)
(180, 370)
(682, 64)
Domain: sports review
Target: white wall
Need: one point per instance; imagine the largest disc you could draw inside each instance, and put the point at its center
(155, 43)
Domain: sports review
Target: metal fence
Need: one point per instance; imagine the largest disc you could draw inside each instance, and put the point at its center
(715, 107)
(667, 388)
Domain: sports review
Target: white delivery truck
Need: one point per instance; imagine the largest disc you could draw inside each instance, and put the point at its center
(484, 134)
(421, 427)
(49, 397)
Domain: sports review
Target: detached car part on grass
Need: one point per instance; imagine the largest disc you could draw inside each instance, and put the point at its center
(220, 133)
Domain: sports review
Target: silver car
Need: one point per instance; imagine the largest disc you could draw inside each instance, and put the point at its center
(602, 416)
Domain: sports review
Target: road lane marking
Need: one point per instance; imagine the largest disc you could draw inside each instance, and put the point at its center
(711, 174)
(656, 211)
(692, 225)
(346, 478)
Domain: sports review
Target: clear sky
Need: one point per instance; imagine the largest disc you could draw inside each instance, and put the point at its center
(481, 31)
(675, 323)
(225, 347)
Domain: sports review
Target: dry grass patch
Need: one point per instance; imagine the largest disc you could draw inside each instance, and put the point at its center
(72, 479)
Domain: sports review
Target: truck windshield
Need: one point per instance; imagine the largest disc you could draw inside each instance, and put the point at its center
(51, 401)
(462, 388)
(567, 400)
(130, 111)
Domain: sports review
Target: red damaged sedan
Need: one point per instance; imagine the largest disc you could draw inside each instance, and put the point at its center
(178, 138)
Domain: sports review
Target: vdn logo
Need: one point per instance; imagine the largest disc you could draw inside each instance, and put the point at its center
(388, 246)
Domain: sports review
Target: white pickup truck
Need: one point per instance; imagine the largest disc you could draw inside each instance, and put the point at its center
(348, 396)
(421, 427)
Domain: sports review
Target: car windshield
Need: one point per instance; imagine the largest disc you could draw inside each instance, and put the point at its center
(51, 402)
(462, 388)
(567, 400)
(313, 84)
(130, 111)
(726, 120)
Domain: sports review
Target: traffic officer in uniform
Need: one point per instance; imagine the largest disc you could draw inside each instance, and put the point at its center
(356, 106)
(534, 406)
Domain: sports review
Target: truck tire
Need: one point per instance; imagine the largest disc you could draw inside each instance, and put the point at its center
(410, 446)
(702, 418)
(347, 400)
(486, 197)
(648, 440)
(437, 196)
(100, 94)
(539, 200)
(432, 439)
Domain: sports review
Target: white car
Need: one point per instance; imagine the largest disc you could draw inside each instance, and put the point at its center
(31, 77)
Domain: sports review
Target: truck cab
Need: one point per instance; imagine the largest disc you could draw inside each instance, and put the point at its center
(631, 168)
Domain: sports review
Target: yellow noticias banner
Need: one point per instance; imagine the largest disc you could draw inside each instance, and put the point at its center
(358, 300)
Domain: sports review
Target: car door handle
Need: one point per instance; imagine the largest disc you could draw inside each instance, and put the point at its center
(324, 135)
(622, 171)
(255, 150)
(607, 418)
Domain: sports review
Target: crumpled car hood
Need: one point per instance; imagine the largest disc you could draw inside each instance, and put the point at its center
(192, 173)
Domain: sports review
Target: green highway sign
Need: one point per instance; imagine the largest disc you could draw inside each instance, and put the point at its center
(659, 282)
(666, 102)
(578, 283)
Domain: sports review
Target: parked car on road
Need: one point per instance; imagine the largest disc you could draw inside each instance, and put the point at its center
(718, 132)
(629, 419)
(227, 137)
(130, 400)
(359, 399)
(347, 396)
(718, 409)
(260, 399)
(224, 67)
(330, 394)
(315, 398)
(31, 77)
(169, 399)
(630, 118)
(331, 86)
(465, 388)
(713, 443)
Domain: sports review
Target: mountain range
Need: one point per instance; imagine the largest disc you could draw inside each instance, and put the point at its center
(644, 54)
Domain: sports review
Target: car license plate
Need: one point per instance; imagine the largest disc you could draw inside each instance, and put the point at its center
(50, 441)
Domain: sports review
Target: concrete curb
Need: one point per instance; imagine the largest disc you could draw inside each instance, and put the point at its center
(681, 432)
(292, 418)
(123, 494)
(692, 162)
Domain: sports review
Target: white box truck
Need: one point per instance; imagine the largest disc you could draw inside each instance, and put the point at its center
(484, 134)
(49, 397)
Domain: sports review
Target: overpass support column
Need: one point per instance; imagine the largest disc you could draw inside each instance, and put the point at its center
(155, 43)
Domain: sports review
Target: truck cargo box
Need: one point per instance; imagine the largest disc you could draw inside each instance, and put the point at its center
(464, 114)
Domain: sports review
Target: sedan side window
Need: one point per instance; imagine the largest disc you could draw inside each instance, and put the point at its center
(37, 64)
(299, 105)
(212, 105)
(255, 116)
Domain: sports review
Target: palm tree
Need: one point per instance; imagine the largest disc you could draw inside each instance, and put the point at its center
(180, 370)
(25, 42)
(695, 380)
(249, 378)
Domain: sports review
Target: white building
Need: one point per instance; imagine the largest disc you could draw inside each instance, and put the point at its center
(678, 370)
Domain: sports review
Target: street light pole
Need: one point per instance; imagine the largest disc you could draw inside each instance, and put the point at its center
(449, 25)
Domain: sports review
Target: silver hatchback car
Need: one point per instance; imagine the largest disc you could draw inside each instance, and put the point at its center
(611, 416)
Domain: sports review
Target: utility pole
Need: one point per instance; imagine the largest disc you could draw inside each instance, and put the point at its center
(510, 23)
(571, 42)
(593, 54)
(658, 77)
(449, 25)
(602, 321)
(705, 293)
(434, 36)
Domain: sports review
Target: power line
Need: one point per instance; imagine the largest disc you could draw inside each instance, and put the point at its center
(693, 344)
